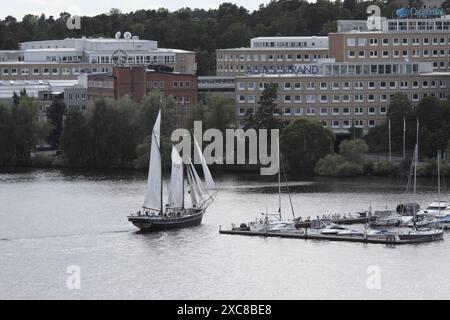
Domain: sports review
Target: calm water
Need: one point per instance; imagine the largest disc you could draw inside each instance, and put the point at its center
(50, 220)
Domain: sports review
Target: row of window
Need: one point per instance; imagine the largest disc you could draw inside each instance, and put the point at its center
(106, 84)
(135, 59)
(397, 53)
(419, 25)
(77, 96)
(340, 98)
(272, 57)
(335, 111)
(282, 44)
(161, 84)
(50, 71)
(362, 42)
(182, 99)
(348, 85)
(64, 58)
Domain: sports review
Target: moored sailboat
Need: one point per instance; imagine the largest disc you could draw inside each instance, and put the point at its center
(177, 213)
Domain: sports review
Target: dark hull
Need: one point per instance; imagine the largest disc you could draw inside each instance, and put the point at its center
(157, 223)
(422, 237)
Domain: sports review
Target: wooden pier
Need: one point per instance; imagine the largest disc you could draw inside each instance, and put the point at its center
(387, 240)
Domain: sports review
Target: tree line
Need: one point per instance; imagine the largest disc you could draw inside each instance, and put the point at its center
(199, 30)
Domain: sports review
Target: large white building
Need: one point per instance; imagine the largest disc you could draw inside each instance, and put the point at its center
(65, 59)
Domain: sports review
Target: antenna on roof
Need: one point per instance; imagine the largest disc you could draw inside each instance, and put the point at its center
(118, 34)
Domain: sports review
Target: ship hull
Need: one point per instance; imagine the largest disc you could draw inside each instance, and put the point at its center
(158, 223)
(425, 236)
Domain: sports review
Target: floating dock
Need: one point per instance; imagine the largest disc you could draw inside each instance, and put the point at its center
(307, 224)
(387, 240)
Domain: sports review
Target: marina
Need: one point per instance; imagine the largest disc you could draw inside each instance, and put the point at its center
(387, 240)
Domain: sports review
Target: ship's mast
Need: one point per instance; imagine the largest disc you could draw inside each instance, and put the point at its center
(439, 178)
(160, 159)
(279, 178)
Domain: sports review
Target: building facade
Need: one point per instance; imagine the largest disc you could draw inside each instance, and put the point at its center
(216, 85)
(422, 40)
(341, 95)
(66, 59)
(274, 53)
(137, 82)
(363, 68)
(123, 81)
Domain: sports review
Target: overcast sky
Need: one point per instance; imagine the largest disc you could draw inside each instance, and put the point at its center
(92, 7)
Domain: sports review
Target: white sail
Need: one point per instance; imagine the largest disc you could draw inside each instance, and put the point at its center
(200, 186)
(153, 195)
(194, 201)
(210, 184)
(176, 192)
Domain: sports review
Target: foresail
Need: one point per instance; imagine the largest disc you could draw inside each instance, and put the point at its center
(153, 194)
(209, 182)
(176, 192)
(194, 201)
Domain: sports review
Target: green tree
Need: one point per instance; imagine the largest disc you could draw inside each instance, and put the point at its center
(354, 151)
(215, 112)
(264, 116)
(74, 138)
(55, 115)
(304, 142)
(7, 141)
(399, 110)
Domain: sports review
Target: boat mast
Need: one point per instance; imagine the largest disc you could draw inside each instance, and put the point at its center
(182, 183)
(416, 155)
(390, 140)
(439, 178)
(404, 138)
(160, 159)
(279, 178)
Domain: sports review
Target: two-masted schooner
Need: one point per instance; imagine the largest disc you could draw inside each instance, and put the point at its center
(180, 211)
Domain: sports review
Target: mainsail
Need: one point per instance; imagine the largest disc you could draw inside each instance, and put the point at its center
(176, 192)
(153, 196)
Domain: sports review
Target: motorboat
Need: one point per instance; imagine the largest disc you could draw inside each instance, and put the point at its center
(382, 233)
(421, 220)
(442, 222)
(385, 218)
(271, 225)
(436, 208)
(327, 227)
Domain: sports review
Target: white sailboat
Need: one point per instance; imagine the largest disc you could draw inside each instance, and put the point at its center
(177, 213)
(419, 234)
(275, 222)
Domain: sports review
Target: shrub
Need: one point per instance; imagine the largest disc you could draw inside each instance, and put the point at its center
(386, 169)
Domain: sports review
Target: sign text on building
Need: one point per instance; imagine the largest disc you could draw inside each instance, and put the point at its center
(290, 69)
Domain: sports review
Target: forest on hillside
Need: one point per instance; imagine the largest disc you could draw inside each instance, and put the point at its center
(199, 30)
